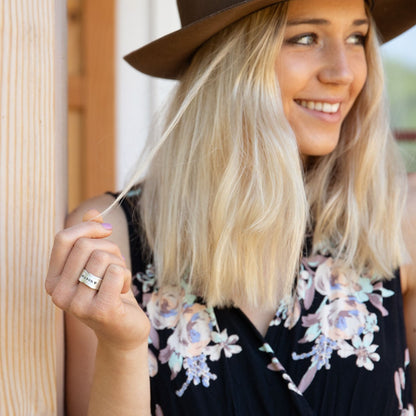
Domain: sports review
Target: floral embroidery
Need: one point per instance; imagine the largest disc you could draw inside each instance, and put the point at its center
(195, 336)
(223, 343)
(320, 353)
(342, 321)
(158, 411)
(338, 321)
(399, 385)
(275, 365)
(147, 280)
(197, 371)
(363, 349)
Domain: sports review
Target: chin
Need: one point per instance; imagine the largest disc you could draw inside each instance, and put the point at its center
(319, 144)
(317, 150)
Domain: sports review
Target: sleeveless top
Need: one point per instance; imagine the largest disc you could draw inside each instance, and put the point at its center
(334, 349)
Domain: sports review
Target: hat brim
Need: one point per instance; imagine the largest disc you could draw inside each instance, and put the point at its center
(169, 56)
(393, 17)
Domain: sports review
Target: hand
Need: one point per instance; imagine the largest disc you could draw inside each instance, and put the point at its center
(112, 311)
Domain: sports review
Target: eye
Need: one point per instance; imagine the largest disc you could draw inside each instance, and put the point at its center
(357, 39)
(304, 39)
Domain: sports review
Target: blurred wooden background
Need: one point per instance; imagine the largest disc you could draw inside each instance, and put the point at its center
(91, 98)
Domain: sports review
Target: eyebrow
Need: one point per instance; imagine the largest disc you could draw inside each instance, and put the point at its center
(294, 22)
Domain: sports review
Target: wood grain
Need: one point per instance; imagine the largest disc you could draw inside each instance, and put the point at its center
(32, 201)
(91, 98)
(99, 45)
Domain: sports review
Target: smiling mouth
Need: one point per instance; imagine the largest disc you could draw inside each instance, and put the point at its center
(319, 106)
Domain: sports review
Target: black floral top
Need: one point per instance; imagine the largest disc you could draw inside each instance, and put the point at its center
(332, 349)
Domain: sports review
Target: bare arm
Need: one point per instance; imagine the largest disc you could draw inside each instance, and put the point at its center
(409, 277)
(106, 331)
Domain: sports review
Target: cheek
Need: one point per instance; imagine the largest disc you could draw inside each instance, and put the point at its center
(292, 75)
(360, 76)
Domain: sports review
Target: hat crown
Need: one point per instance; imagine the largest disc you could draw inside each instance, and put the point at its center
(193, 10)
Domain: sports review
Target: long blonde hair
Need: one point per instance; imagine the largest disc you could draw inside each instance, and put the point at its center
(357, 193)
(225, 203)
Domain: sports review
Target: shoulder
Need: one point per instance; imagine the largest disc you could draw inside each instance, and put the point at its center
(100, 203)
(115, 216)
(408, 271)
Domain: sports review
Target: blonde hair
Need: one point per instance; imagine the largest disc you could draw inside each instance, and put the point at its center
(357, 193)
(224, 203)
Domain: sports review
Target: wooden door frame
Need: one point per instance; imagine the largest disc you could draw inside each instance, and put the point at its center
(91, 92)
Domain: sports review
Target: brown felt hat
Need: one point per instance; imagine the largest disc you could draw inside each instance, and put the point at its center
(168, 56)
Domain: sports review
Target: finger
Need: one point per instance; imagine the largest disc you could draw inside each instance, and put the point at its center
(90, 254)
(98, 265)
(64, 242)
(89, 304)
(116, 280)
(76, 297)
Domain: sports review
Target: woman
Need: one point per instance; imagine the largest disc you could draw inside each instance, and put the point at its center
(265, 238)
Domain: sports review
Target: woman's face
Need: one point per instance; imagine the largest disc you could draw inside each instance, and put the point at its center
(321, 69)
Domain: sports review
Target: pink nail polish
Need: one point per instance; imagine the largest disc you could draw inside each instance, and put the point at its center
(107, 226)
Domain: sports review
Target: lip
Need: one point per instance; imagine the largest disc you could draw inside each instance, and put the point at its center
(327, 117)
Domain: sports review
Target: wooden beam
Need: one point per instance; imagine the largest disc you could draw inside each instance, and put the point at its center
(99, 121)
(405, 135)
(76, 99)
(32, 201)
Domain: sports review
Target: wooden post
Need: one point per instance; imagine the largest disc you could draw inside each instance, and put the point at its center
(32, 201)
(99, 46)
(91, 98)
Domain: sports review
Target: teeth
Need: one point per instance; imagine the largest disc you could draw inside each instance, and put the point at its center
(327, 108)
(319, 106)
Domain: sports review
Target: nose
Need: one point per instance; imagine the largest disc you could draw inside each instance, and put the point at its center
(336, 65)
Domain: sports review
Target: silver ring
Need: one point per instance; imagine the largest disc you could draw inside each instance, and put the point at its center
(90, 280)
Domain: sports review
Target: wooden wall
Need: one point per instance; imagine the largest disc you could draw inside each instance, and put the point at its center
(32, 201)
(91, 86)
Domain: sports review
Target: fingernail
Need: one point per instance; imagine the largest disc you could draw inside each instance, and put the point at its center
(107, 226)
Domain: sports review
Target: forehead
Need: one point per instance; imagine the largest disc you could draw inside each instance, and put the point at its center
(331, 9)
